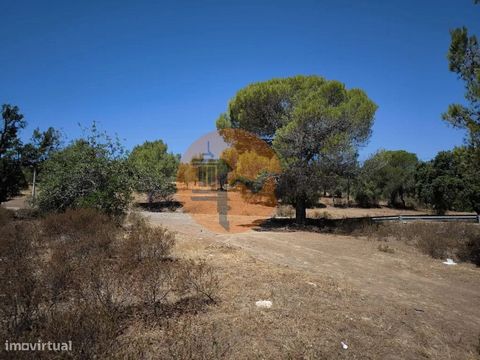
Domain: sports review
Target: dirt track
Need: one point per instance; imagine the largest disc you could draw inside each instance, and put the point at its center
(440, 293)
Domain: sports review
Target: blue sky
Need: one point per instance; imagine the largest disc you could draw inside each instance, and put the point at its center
(166, 69)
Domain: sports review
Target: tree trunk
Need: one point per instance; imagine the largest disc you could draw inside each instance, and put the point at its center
(393, 198)
(348, 191)
(300, 210)
(402, 199)
(34, 184)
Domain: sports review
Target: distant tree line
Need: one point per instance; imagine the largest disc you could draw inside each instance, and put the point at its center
(20, 163)
(315, 127)
(450, 181)
(93, 171)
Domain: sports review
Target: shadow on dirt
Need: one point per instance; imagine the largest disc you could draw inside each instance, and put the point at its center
(339, 226)
(160, 206)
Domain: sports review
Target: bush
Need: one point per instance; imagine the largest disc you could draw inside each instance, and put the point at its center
(470, 250)
(439, 240)
(75, 223)
(146, 242)
(92, 331)
(78, 276)
(366, 199)
(6, 216)
(386, 249)
(155, 170)
(191, 340)
(316, 214)
(199, 279)
(156, 279)
(20, 296)
(91, 172)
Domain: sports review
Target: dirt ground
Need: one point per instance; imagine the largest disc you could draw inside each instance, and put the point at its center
(244, 214)
(325, 289)
(329, 288)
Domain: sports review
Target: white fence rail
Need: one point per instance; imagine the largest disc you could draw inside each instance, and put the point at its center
(442, 218)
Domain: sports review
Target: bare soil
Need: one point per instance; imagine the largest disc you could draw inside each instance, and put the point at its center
(330, 288)
(325, 289)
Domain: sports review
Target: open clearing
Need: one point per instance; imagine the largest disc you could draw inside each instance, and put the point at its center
(330, 288)
(325, 289)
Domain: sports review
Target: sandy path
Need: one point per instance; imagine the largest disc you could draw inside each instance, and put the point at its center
(412, 280)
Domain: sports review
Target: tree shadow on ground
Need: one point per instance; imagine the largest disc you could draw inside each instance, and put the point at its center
(160, 206)
(344, 226)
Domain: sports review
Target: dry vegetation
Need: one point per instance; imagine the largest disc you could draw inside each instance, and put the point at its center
(460, 241)
(141, 292)
(310, 316)
(79, 276)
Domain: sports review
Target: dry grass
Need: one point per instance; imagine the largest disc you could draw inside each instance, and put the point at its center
(285, 211)
(310, 316)
(137, 292)
(79, 276)
(319, 214)
(386, 249)
(6, 216)
(460, 241)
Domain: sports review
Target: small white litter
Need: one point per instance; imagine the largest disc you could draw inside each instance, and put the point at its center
(449, 262)
(264, 304)
(311, 283)
(344, 346)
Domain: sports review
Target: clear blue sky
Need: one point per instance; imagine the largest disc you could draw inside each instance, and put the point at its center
(166, 69)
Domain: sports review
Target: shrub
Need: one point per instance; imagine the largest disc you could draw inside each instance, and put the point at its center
(470, 250)
(6, 216)
(190, 339)
(285, 211)
(87, 280)
(386, 249)
(155, 170)
(366, 199)
(75, 223)
(316, 214)
(199, 279)
(105, 286)
(439, 240)
(156, 279)
(91, 172)
(20, 297)
(146, 242)
(27, 214)
(92, 331)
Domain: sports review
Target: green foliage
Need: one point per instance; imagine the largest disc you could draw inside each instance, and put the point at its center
(91, 172)
(310, 122)
(387, 175)
(155, 169)
(11, 176)
(464, 60)
(35, 153)
(451, 181)
(42, 145)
